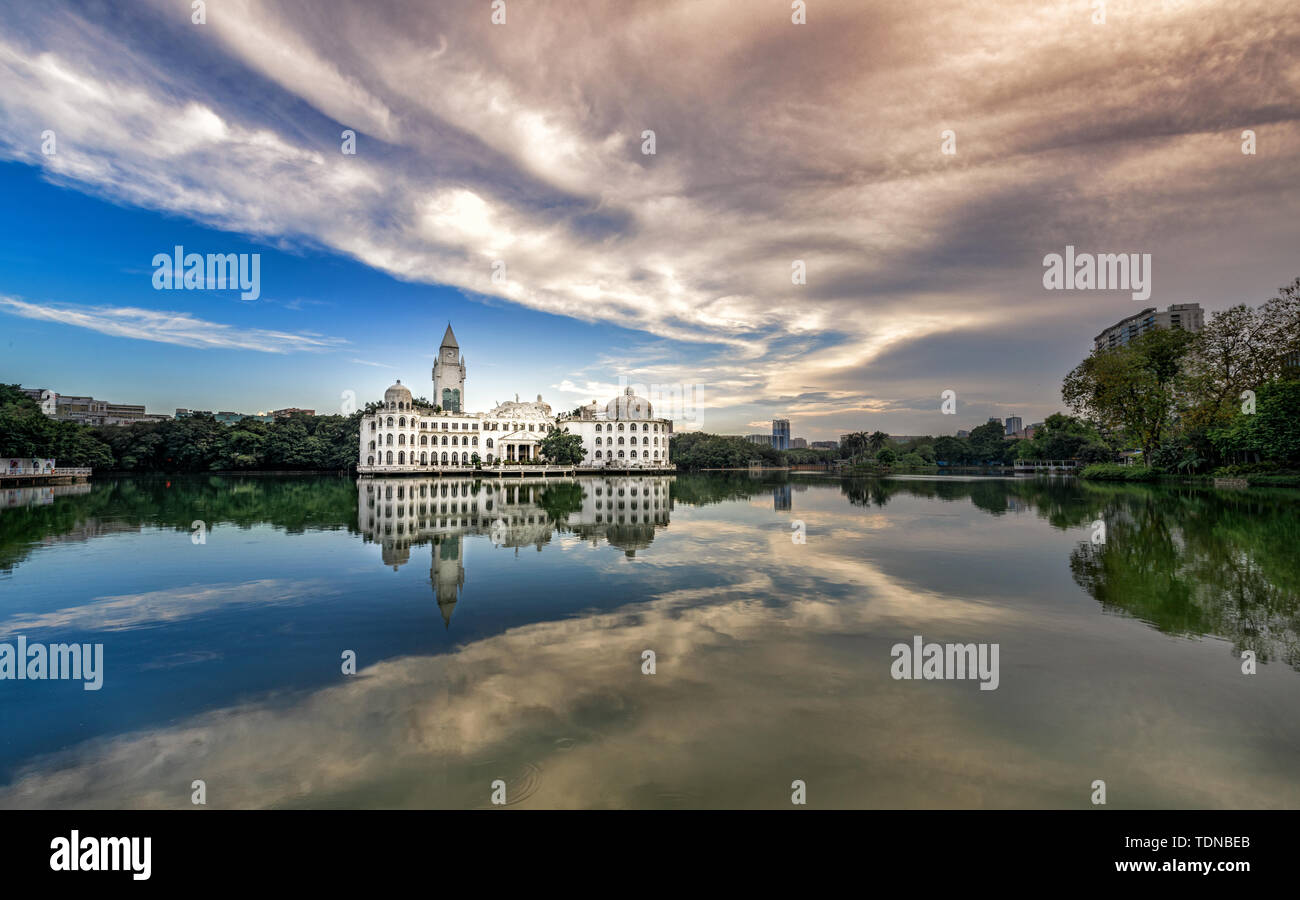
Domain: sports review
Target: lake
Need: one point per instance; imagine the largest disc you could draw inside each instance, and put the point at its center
(502, 632)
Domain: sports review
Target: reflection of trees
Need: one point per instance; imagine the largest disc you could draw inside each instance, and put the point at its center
(1186, 560)
(1200, 562)
(294, 503)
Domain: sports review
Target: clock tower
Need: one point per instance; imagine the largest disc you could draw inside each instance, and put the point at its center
(449, 375)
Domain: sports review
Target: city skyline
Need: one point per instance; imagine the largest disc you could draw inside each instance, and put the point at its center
(923, 269)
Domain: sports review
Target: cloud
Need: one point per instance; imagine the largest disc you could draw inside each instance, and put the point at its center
(821, 143)
(164, 327)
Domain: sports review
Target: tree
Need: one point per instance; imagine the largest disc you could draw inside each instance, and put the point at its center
(886, 456)
(951, 450)
(1133, 388)
(877, 440)
(561, 448)
(854, 444)
(986, 443)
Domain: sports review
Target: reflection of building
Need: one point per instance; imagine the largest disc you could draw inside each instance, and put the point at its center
(399, 513)
(781, 497)
(403, 437)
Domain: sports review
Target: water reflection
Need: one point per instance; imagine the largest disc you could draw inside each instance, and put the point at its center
(773, 656)
(401, 513)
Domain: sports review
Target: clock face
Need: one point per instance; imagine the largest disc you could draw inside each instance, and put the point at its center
(449, 355)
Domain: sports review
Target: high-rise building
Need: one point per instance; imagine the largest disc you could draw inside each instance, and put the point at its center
(825, 445)
(1187, 316)
(762, 439)
(798, 443)
(1014, 425)
(781, 434)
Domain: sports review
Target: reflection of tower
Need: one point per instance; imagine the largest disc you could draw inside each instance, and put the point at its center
(781, 497)
(447, 574)
(449, 375)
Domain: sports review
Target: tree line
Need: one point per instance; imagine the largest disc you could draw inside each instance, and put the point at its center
(197, 443)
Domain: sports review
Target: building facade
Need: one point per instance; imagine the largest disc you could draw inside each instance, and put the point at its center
(781, 434)
(1187, 316)
(401, 436)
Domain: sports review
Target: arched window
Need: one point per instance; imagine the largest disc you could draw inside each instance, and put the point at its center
(401, 458)
(620, 443)
(634, 454)
(401, 423)
(372, 445)
(597, 442)
(390, 421)
(598, 457)
(620, 426)
(476, 440)
(645, 441)
(401, 440)
(390, 457)
(390, 440)
(444, 440)
(424, 440)
(645, 427)
(444, 457)
(489, 459)
(620, 454)
(424, 459)
(489, 444)
(370, 461)
(597, 428)
(455, 439)
(372, 424)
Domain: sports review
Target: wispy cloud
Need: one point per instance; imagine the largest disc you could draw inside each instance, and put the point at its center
(363, 362)
(163, 327)
(776, 143)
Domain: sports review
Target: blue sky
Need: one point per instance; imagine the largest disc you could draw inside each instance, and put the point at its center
(60, 246)
(524, 143)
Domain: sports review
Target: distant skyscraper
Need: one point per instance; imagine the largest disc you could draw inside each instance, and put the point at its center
(781, 434)
(1014, 424)
(798, 443)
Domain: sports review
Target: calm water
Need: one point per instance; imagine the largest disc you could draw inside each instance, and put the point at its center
(499, 629)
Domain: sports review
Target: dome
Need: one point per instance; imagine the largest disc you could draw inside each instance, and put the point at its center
(398, 393)
(629, 406)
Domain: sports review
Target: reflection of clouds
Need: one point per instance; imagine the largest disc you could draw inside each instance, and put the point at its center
(748, 696)
(169, 605)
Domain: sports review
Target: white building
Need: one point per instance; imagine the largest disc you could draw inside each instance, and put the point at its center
(401, 437)
(625, 435)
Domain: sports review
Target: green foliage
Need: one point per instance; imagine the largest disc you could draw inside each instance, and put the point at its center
(561, 448)
(1116, 472)
(886, 456)
(193, 444)
(699, 450)
(1132, 389)
(1271, 434)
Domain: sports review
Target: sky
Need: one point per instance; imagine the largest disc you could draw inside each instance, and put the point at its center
(519, 149)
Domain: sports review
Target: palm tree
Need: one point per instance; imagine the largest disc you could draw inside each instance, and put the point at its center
(877, 440)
